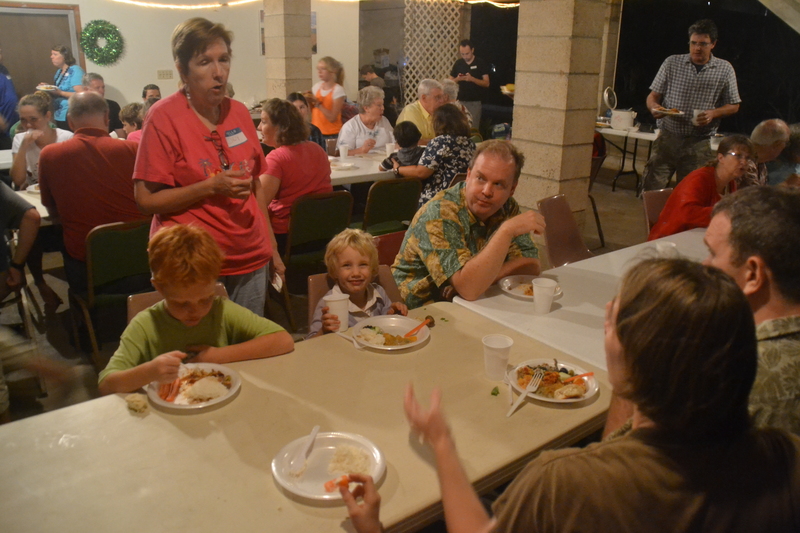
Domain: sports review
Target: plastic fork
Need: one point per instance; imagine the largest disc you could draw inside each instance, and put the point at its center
(533, 384)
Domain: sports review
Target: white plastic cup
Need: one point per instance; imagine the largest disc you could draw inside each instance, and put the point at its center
(667, 250)
(389, 149)
(543, 291)
(496, 349)
(343, 149)
(339, 305)
(695, 114)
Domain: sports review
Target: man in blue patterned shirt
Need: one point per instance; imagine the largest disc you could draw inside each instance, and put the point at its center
(471, 235)
(685, 84)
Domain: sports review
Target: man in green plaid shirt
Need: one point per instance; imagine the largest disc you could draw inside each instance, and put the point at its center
(471, 235)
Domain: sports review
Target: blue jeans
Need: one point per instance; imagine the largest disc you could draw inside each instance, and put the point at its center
(248, 290)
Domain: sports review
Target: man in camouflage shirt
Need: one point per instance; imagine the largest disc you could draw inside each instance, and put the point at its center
(754, 236)
(471, 235)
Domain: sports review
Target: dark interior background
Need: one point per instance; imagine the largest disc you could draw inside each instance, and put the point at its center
(764, 51)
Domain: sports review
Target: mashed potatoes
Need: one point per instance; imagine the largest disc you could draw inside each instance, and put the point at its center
(205, 389)
(349, 460)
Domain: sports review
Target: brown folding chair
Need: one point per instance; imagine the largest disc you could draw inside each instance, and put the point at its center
(320, 284)
(562, 235)
(653, 203)
(458, 178)
(388, 246)
(140, 302)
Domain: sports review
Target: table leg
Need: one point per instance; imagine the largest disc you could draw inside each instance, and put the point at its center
(622, 164)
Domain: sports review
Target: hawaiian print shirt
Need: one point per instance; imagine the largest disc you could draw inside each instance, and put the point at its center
(775, 398)
(443, 236)
(446, 156)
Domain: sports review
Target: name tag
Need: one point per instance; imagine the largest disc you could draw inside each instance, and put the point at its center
(473, 66)
(235, 137)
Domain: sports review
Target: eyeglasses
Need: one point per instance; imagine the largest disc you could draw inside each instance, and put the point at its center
(701, 45)
(217, 141)
(741, 156)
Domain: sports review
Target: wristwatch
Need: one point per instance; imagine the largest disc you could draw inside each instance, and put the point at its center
(16, 266)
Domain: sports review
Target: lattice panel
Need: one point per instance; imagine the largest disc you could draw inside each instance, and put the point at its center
(431, 42)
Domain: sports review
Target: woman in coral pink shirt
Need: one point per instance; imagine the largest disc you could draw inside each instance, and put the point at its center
(295, 168)
(197, 161)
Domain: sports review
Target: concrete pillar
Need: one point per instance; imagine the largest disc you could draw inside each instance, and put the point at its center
(608, 61)
(287, 35)
(559, 50)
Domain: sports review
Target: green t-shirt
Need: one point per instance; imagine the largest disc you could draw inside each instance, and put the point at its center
(154, 331)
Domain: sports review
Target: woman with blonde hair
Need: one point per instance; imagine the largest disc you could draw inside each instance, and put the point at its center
(329, 97)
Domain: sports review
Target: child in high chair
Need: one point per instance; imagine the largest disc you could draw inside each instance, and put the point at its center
(352, 261)
(186, 262)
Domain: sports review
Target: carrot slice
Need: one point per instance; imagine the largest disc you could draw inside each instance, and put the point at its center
(573, 378)
(330, 486)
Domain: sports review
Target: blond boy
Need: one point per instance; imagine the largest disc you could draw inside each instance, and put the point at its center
(352, 261)
(186, 262)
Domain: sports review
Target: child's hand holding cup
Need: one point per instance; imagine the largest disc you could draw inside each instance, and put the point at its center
(339, 305)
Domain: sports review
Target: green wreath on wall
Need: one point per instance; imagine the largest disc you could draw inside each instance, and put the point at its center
(90, 42)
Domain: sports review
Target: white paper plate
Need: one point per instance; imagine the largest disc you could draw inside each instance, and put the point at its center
(33, 189)
(311, 483)
(515, 286)
(236, 383)
(335, 165)
(46, 87)
(394, 324)
(591, 384)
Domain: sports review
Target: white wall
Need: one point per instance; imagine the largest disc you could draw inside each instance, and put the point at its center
(382, 27)
(337, 36)
(147, 33)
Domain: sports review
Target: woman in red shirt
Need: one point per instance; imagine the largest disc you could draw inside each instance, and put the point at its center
(690, 204)
(295, 168)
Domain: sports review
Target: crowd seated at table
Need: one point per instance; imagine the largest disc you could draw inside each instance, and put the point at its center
(702, 359)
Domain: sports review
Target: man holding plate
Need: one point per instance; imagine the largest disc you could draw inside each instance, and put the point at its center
(471, 235)
(689, 96)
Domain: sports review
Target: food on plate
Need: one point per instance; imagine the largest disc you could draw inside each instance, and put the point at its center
(510, 87)
(377, 337)
(46, 87)
(137, 403)
(349, 459)
(196, 386)
(555, 379)
(331, 485)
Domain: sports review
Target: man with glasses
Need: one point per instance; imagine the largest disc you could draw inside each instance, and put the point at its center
(689, 96)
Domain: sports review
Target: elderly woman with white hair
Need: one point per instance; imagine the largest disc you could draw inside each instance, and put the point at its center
(369, 131)
(450, 89)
